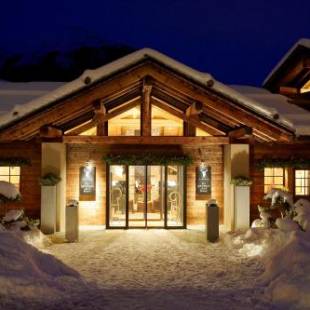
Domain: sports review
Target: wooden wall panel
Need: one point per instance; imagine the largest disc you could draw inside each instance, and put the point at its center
(94, 213)
(30, 188)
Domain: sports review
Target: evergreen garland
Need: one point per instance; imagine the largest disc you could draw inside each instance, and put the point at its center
(297, 163)
(14, 161)
(148, 159)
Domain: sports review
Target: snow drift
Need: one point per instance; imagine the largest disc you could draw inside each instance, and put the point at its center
(286, 257)
(19, 259)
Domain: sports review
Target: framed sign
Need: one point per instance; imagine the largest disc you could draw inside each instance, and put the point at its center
(203, 180)
(88, 183)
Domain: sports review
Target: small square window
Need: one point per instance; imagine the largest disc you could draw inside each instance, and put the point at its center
(11, 175)
(273, 178)
(302, 182)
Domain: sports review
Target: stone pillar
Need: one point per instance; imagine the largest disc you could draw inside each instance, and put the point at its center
(54, 161)
(236, 163)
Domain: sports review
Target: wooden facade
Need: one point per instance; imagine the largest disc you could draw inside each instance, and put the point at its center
(147, 84)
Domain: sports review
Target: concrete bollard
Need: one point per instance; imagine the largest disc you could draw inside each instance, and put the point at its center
(72, 221)
(212, 221)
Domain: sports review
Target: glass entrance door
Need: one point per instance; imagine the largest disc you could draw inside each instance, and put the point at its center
(146, 196)
(137, 196)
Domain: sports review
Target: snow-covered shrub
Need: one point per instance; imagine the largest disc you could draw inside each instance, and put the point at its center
(286, 224)
(285, 255)
(302, 210)
(264, 220)
(281, 200)
(8, 192)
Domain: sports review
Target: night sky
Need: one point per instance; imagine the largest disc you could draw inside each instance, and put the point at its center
(238, 42)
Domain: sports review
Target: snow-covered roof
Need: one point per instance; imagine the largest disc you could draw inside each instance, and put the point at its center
(14, 94)
(299, 117)
(127, 61)
(302, 42)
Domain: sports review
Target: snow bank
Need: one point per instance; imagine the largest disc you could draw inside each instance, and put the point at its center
(31, 279)
(9, 190)
(21, 260)
(286, 257)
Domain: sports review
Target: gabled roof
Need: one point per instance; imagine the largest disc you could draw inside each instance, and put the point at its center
(299, 117)
(294, 54)
(90, 77)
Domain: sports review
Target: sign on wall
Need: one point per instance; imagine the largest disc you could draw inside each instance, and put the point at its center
(203, 180)
(88, 183)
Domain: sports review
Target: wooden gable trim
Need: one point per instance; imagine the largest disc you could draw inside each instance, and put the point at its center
(76, 105)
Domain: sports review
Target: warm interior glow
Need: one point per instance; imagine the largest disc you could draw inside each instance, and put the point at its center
(90, 132)
(126, 123)
(273, 178)
(306, 87)
(201, 133)
(165, 123)
(302, 182)
(11, 175)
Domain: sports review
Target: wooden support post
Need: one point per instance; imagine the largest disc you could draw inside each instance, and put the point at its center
(100, 115)
(50, 132)
(146, 113)
(189, 129)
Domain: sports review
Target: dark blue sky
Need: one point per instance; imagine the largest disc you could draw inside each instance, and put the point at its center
(236, 41)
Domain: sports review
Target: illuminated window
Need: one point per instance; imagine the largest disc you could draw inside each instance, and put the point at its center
(201, 133)
(11, 175)
(126, 123)
(302, 182)
(89, 132)
(273, 178)
(165, 123)
(305, 88)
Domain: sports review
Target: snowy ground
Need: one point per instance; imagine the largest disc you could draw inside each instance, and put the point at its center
(160, 269)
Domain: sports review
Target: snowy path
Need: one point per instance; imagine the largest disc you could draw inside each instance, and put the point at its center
(161, 269)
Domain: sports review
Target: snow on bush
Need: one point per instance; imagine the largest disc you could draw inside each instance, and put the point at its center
(302, 209)
(13, 215)
(274, 194)
(9, 190)
(286, 257)
(285, 253)
(286, 224)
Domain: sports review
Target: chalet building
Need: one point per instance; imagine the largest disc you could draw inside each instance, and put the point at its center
(146, 141)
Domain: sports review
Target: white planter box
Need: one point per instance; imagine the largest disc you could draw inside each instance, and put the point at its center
(242, 207)
(48, 209)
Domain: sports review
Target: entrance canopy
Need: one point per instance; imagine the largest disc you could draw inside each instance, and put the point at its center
(154, 88)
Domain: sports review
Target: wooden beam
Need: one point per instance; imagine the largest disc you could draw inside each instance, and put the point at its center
(82, 128)
(48, 131)
(102, 125)
(102, 118)
(194, 110)
(189, 130)
(241, 132)
(146, 114)
(156, 140)
(194, 121)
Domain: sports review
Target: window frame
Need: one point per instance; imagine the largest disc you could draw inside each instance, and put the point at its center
(274, 176)
(301, 195)
(12, 175)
